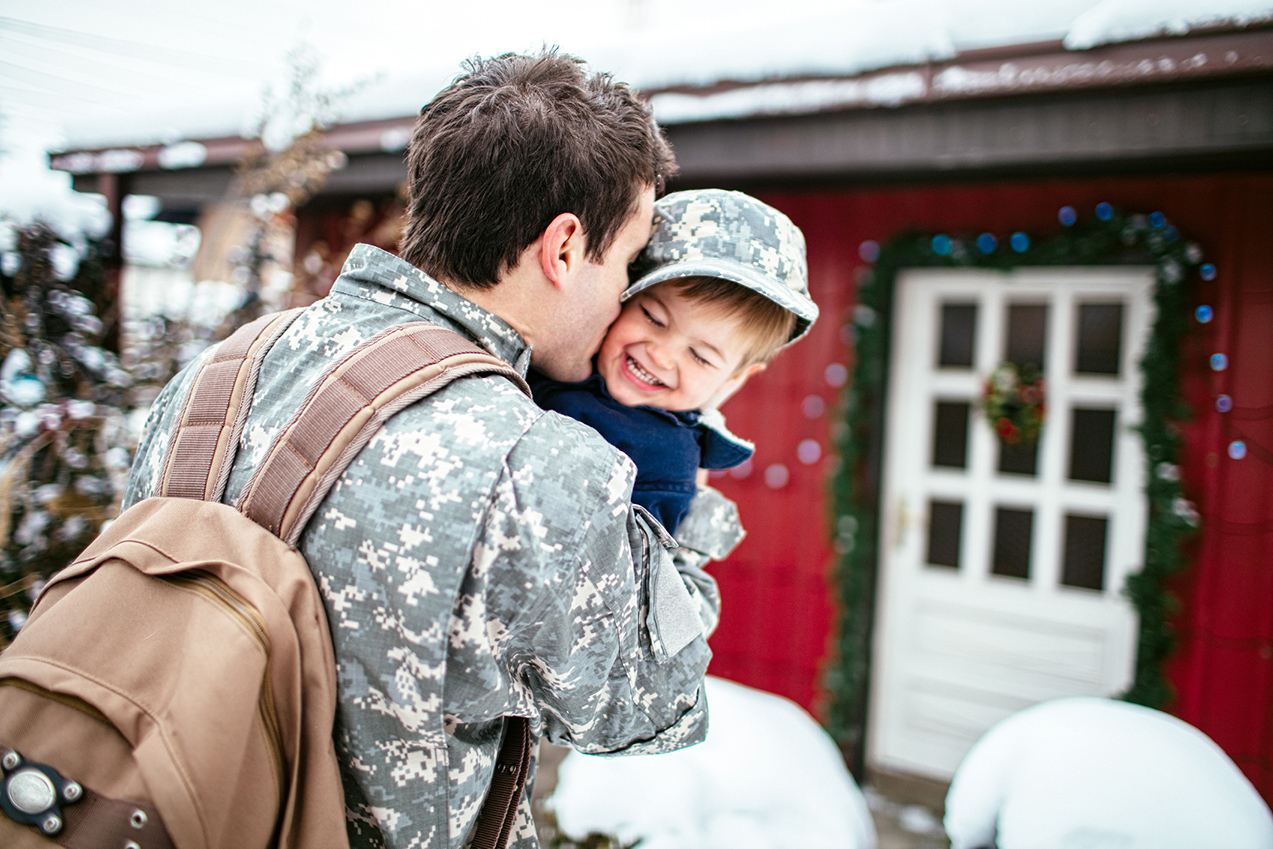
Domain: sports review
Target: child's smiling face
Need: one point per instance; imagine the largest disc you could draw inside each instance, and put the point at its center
(667, 351)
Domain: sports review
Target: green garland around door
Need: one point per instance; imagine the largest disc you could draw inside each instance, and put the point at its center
(1109, 237)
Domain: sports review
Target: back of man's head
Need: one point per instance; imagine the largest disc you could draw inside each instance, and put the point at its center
(511, 144)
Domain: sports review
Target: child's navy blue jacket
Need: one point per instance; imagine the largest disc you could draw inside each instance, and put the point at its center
(668, 447)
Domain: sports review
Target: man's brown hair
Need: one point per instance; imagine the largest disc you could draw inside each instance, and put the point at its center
(764, 324)
(511, 144)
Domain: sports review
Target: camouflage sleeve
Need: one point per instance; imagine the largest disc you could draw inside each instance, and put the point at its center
(584, 646)
(710, 531)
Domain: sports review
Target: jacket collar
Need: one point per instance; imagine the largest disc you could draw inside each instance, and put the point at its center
(378, 275)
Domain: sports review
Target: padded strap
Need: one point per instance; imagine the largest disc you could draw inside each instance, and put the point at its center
(345, 408)
(213, 417)
(101, 821)
(499, 811)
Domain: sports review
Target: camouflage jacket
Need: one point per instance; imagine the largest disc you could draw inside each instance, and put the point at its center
(479, 558)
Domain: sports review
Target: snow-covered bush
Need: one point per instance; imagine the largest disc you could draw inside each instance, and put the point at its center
(1088, 772)
(767, 777)
(65, 448)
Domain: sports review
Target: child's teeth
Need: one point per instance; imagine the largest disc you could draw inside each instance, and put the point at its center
(642, 373)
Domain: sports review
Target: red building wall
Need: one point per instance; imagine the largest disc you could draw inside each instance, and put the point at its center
(778, 616)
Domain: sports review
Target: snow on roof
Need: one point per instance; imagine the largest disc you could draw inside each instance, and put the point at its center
(83, 76)
(1126, 20)
(660, 44)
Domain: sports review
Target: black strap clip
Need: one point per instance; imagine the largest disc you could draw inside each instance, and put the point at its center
(34, 793)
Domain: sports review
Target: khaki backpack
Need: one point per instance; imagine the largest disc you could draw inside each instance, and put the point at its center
(175, 685)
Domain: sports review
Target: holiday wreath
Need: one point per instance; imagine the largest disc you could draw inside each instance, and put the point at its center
(1013, 399)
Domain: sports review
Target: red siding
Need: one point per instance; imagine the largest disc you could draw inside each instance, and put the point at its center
(778, 617)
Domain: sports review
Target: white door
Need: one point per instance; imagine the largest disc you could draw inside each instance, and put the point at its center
(1002, 568)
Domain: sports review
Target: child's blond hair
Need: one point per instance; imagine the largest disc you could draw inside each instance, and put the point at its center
(765, 325)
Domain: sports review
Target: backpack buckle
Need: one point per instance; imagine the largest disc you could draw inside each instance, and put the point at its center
(33, 793)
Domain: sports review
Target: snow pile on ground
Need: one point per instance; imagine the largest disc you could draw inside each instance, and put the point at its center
(1096, 773)
(767, 777)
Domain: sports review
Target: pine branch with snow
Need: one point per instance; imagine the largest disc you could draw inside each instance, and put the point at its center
(64, 448)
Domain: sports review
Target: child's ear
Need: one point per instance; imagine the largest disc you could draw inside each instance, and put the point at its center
(729, 387)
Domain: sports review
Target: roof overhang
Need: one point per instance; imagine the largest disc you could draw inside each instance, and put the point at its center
(1203, 100)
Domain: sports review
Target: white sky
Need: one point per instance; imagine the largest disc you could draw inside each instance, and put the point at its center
(88, 72)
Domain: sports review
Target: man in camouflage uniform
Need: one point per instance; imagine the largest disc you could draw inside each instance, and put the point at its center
(481, 557)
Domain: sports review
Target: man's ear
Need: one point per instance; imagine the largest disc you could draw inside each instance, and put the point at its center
(561, 248)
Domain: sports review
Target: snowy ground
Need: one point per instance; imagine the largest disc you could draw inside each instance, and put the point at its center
(907, 811)
(1080, 773)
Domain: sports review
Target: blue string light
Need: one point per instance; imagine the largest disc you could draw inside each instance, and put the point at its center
(986, 243)
(1020, 242)
(941, 245)
(1157, 220)
(1219, 362)
(1224, 403)
(1104, 211)
(1204, 314)
(1207, 271)
(1068, 216)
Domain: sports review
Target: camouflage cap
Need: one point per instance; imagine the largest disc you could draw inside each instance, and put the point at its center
(733, 236)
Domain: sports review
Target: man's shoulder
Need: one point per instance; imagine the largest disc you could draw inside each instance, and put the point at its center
(491, 410)
(483, 435)
(568, 443)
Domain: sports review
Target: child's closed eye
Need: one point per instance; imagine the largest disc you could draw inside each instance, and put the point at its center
(650, 317)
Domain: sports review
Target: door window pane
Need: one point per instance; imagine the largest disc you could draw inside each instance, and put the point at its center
(1018, 459)
(950, 434)
(1092, 445)
(945, 529)
(1100, 339)
(958, 335)
(1013, 530)
(1083, 564)
(1027, 334)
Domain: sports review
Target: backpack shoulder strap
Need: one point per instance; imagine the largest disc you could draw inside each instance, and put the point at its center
(215, 409)
(354, 398)
(495, 820)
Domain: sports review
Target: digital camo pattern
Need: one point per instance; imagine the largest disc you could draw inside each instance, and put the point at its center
(733, 236)
(479, 558)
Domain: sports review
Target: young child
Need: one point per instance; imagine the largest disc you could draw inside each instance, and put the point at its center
(719, 290)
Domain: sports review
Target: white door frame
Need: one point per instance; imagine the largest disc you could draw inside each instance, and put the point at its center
(954, 651)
